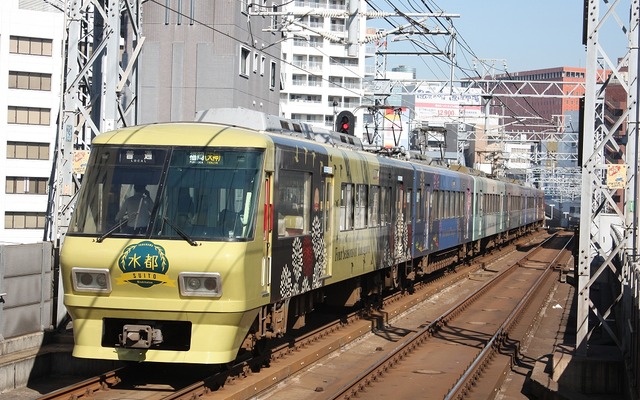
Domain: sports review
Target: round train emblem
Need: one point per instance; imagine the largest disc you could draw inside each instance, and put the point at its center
(144, 264)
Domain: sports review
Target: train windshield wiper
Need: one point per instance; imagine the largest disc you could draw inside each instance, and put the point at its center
(182, 233)
(108, 233)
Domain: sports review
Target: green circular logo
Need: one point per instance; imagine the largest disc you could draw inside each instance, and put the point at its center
(144, 264)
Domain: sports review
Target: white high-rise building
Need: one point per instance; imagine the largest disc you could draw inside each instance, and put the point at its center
(321, 76)
(31, 60)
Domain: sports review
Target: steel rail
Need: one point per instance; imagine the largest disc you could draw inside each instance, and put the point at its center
(377, 369)
(462, 386)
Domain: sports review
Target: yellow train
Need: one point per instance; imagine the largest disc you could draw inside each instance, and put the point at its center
(191, 241)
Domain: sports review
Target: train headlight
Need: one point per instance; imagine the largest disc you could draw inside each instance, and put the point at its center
(91, 280)
(204, 284)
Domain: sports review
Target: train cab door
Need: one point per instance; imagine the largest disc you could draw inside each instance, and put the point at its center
(328, 221)
(265, 280)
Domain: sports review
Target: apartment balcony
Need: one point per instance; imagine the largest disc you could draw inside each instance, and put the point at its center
(338, 28)
(315, 88)
(309, 3)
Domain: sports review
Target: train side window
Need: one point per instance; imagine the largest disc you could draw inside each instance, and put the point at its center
(408, 205)
(400, 205)
(346, 206)
(361, 207)
(436, 200)
(454, 204)
(294, 209)
(374, 205)
(429, 207)
(446, 204)
(385, 215)
(453, 197)
(419, 205)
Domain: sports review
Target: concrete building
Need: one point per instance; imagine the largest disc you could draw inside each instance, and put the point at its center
(320, 76)
(31, 60)
(204, 54)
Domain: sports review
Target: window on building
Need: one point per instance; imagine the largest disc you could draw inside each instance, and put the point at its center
(315, 41)
(25, 185)
(315, 81)
(274, 18)
(245, 61)
(31, 46)
(29, 81)
(315, 22)
(24, 220)
(272, 76)
(28, 151)
(315, 63)
(262, 65)
(28, 115)
(244, 6)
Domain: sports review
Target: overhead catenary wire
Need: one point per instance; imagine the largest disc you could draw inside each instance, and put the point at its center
(429, 7)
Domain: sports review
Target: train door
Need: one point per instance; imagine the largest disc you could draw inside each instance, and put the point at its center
(481, 214)
(503, 212)
(428, 216)
(328, 222)
(507, 212)
(466, 212)
(268, 235)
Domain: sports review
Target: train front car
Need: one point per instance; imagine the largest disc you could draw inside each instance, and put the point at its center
(161, 261)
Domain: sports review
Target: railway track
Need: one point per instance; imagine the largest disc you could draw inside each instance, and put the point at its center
(255, 377)
(480, 328)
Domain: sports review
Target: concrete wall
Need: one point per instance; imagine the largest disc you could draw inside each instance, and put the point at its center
(26, 276)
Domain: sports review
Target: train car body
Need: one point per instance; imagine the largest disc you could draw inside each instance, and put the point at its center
(250, 229)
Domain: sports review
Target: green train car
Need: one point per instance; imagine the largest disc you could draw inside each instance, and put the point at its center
(191, 241)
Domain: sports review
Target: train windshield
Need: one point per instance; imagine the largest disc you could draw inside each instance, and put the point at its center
(181, 193)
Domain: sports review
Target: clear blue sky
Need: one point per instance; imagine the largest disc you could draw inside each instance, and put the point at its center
(528, 34)
(525, 34)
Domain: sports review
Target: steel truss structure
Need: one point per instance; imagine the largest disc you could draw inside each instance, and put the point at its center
(544, 171)
(103, 41)
(595, 260)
